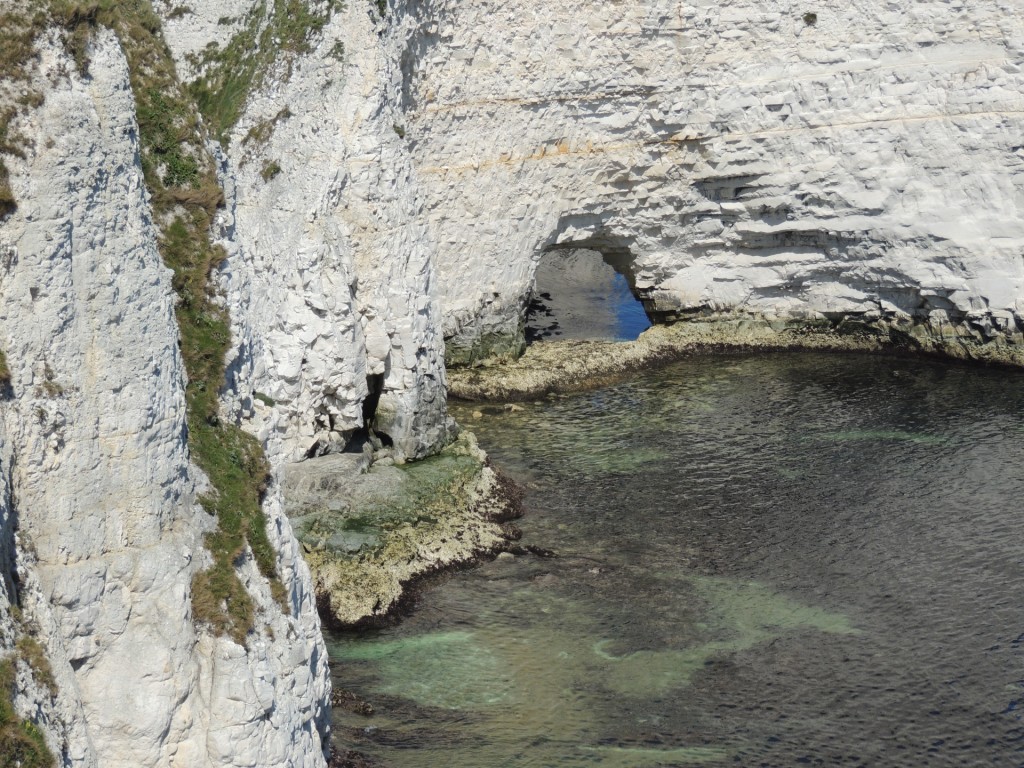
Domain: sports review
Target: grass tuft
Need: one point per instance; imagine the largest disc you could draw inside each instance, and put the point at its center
(21, 742)
(33, 654)
(260, 133)
(18, 33)
(275, 31)
(265, 399)
(8, 204)
(270, 169)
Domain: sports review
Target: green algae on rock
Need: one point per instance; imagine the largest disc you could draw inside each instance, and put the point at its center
(371, 530)
(490, 347)
(574, 366)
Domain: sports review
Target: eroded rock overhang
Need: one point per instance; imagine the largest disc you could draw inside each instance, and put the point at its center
(861, 163)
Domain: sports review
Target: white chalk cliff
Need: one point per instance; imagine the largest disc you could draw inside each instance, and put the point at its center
(388, 193)
(97, 480)
(863, 161)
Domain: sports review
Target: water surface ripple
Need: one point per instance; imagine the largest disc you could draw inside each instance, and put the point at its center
(763, 561)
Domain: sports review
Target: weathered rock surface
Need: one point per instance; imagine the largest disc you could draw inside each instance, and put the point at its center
(97, 481)
(330, 279)
(369, 531)
(395, 186)
(579, 365)
(862, 163)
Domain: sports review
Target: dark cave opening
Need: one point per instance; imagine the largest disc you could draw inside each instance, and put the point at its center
(369, 433)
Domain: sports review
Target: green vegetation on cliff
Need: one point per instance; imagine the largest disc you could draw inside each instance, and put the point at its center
(21, 742)
(18, 32)
(182, 182)
(275, 31)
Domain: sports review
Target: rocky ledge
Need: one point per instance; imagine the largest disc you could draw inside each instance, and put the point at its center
(372, 528)
(573, 366)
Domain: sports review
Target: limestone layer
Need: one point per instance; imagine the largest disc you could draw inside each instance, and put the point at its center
(740, 157)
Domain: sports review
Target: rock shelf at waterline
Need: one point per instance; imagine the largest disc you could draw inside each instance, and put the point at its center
(575, 365)
(370, 530)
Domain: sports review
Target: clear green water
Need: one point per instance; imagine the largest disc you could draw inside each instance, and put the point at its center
(762, 561)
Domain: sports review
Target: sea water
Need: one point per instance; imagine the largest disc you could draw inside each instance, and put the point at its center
(759, 561)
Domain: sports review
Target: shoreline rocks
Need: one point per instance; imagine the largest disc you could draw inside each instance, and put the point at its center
(575, 366)
(368, 536)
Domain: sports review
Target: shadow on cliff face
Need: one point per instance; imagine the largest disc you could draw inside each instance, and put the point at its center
(583, 294)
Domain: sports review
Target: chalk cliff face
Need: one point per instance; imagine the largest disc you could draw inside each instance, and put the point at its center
(778, 160)
(96, 475)
(401, 181)
(394, 187)
(330, 277)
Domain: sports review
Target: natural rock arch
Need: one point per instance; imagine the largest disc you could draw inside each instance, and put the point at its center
(595, 292)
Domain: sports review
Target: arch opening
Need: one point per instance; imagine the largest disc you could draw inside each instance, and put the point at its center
(585, 292)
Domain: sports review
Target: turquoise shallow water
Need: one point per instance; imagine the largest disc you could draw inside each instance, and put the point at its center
(762, 561)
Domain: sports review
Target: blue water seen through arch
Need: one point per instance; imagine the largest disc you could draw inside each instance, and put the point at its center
(578, 295)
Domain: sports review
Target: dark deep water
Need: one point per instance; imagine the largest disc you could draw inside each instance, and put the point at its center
(763, 561)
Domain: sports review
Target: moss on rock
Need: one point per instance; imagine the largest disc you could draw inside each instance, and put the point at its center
(368, 536)
(488, 349)
(275, 32)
